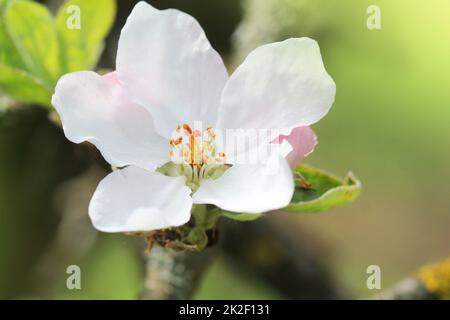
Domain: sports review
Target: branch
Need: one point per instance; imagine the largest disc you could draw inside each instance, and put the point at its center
(173, 274)
(430, 283)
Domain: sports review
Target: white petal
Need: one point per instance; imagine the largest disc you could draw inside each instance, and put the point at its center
(168, 65)
(279, 86)
(134, 199)
(250, 188)
(247, 146)
(94, 108)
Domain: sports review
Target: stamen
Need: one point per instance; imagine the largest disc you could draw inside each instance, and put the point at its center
(194, 148)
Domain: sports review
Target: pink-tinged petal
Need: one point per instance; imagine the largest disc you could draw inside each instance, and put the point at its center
(113, 77)
(95, 108)
(168, 65)
(280, 86)
(250, 188)
(134, 199)
(303, 141)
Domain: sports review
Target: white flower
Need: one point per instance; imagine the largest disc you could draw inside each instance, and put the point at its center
(168, 75)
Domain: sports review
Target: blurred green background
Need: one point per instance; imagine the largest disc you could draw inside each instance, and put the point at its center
(389, 125)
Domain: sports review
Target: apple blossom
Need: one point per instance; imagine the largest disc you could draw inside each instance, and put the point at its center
(141, 117)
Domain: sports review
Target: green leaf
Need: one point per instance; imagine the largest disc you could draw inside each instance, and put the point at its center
(317, 190)
(32, 30)
(3, 4)
(240, 216)
(8, 52)
(35, 51)
(15, 80)
(23, 86)
(82, 44)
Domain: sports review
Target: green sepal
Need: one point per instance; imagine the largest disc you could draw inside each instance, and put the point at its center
(241, 216)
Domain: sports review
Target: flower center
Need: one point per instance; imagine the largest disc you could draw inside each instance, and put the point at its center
(194, 147)
(194, 154)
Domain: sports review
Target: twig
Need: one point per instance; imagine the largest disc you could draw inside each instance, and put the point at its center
(173, 274)
(430, 283)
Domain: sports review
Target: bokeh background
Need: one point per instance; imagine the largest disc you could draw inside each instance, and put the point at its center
(389, 125)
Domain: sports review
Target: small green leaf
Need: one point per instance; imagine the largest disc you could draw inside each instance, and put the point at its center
(23, 86)
(82, 26)
(239, 216)
(317, 190)
(8, 53)
(32, 29)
